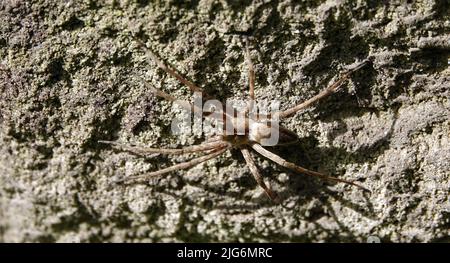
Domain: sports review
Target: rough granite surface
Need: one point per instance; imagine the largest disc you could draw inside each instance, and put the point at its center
(71, 74)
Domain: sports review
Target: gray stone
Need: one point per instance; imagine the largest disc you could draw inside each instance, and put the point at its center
(71, 74)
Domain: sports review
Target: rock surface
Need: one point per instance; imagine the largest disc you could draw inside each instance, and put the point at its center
(71, 74)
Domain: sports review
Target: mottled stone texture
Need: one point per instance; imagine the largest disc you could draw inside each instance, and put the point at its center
(71, 74)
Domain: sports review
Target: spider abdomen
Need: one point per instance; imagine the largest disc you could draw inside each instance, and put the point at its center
(270, 134)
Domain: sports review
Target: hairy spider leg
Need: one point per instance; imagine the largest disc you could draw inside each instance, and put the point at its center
(251, 76)
(291, 166)
(172, 72)
(141, 150)
(257, 175)
(176, 167)
(324, 93)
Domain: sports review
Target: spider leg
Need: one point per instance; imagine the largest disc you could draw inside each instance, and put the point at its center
(182, 103)
(256, 174)
(214, 138)
(147, 150)
(176, 167)
(251, 76)
(324, 93)
(169, 70)
(277, 159)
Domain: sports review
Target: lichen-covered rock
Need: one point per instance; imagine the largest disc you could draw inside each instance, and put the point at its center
(71, 74)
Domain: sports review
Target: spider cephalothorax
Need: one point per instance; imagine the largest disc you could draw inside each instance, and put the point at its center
(247, 132)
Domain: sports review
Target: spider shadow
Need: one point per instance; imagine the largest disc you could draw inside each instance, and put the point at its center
(344, 233)
(307, 153)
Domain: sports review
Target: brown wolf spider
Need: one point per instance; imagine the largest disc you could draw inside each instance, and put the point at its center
(217, 145)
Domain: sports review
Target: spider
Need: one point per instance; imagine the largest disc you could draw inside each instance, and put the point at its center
(256, 129)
